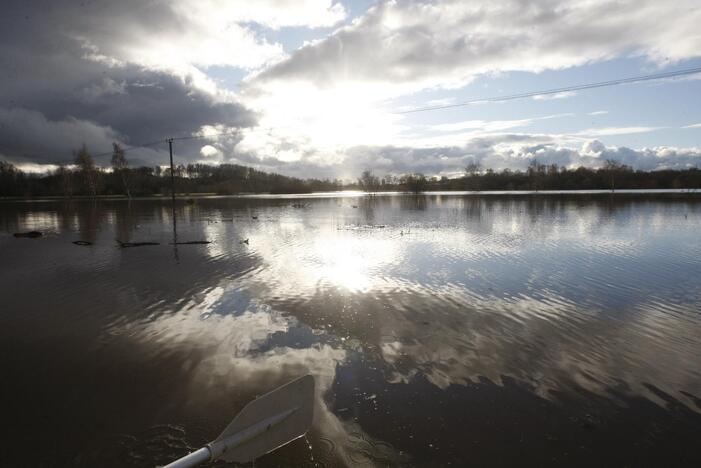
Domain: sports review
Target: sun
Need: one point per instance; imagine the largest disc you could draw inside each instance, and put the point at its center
(301, 120)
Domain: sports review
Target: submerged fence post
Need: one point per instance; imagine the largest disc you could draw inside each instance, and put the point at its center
(172, 197)
(172, 172)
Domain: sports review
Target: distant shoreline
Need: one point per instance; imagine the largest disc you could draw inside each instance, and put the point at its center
(354, 193)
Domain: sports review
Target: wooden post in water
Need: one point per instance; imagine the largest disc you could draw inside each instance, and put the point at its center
(172, 172)
(172, 197)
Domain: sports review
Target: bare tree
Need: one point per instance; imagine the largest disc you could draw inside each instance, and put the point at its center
(120, 167)
(473, 168)
(66, 177)
(536, 174)
(88, 170)
(611, 167)
(415, 183)
(368, 181)
(9, 176)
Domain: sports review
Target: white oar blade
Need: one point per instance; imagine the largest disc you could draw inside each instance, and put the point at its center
(289, 411)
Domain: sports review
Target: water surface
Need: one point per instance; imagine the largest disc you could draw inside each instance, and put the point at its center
(441, 329)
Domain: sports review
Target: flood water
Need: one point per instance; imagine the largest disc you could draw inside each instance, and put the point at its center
(441, 329)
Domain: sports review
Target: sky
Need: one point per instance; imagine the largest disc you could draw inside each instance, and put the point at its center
(319, 88)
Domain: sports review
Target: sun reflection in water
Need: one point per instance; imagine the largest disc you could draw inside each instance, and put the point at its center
(351, 262)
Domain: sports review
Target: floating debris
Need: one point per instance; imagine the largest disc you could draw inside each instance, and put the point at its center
(361, 227)
(82, 242)
(254, 217)
(31, 234)
(245, 241)
(135, 244)
(300, 205)
(355, 206)
(201, 242)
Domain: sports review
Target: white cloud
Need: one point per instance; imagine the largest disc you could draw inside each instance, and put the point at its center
(414, 45)
(548, 97)
(334, 94)
(271, 13)
(440, 102)
(175, 36)
(601, 112)
(515, 152)
(209, 151)
(181, 34)
(37, 168)
(484, 125)
(492, 125)
(698, 125)
(607, 131)
(431, 157)
(106, 87)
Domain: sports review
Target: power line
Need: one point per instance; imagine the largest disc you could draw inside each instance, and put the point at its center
(197, 137)
(165, 140)
(130, 148)
(580, 87)
(108, 153)
(161, 141)
(601, 84)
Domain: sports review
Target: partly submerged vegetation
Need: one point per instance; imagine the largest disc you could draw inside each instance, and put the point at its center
(85, 178)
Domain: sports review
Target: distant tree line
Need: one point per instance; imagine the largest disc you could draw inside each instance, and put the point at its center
(85, 178)
(611, 176)
(414, 182)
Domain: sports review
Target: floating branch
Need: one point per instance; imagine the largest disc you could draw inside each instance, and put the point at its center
(28, 234)
(135, 244)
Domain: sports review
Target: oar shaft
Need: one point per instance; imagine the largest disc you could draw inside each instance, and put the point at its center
(195, 458)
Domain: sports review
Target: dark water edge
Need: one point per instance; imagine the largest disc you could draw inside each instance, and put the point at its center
(464, 331)
(654, 193)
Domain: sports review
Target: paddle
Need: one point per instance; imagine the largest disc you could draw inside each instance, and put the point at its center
(266, 423)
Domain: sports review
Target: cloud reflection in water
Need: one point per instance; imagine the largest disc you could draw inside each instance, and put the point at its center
(251, 347)
(557, 296)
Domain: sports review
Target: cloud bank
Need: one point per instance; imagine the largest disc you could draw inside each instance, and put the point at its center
(498, 152)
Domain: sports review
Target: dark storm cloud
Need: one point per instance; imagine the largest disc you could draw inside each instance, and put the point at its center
(58, 89)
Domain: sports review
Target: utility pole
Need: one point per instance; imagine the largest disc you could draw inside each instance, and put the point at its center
(172, 172)
(172, 197)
